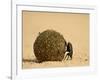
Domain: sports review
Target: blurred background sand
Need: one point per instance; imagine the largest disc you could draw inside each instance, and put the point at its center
(73, 26)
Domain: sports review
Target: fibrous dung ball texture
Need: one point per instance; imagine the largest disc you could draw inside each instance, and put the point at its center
(49, 46)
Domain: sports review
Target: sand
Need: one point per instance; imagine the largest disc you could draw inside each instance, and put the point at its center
(75, 62)
(73, 26)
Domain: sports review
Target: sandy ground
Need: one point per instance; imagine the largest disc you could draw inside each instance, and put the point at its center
(78, 60)
(74, 27)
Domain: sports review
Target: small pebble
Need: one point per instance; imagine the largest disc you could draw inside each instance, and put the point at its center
(86, 59)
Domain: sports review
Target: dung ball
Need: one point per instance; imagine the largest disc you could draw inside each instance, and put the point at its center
(49, 46)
